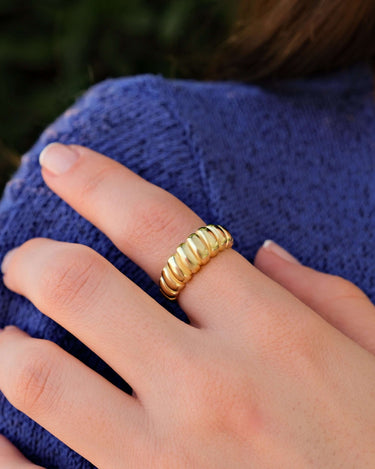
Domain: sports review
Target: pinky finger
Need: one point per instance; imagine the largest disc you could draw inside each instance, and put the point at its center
(337, 300)
(11, 457)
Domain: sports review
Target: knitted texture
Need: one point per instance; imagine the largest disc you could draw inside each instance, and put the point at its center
(292, 161)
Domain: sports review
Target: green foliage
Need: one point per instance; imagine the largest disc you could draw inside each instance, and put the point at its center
(51, 51)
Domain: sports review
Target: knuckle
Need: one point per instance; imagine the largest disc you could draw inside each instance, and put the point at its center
(215, 387)
(342, 288)
(71, 277)
(156, 218)
(92, 185)
(32, 387)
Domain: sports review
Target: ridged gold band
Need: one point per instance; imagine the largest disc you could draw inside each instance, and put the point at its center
(196, 251)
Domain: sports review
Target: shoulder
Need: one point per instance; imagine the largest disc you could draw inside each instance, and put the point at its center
(126, 118)
(143, 121)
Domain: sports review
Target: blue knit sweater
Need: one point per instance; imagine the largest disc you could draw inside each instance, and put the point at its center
(293, 161)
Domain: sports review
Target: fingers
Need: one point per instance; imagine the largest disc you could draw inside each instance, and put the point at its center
(86, 294)
(142, 219)
(60, 393)
(336, 299)
(147, 224)
(11, 458)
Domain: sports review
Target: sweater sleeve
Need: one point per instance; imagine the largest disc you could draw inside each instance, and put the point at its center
(132, 121)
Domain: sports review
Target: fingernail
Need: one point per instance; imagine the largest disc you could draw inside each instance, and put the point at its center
(6, 260)
(270, 245)
(57, 158)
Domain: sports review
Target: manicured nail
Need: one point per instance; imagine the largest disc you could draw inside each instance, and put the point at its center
(6, 260)
(57, 158)
(270, 245)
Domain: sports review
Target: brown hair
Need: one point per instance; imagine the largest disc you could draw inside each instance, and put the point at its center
(292, 38)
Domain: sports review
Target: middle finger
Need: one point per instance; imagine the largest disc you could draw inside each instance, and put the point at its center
(147, 223)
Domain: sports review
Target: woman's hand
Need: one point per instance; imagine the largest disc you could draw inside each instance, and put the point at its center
(276, 370)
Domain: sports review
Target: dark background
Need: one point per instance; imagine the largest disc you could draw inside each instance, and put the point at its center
(51, 51)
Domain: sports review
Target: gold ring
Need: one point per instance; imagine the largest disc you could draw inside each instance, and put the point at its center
(190, 255)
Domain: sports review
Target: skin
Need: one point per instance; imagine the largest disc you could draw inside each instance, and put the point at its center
(276, 370)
